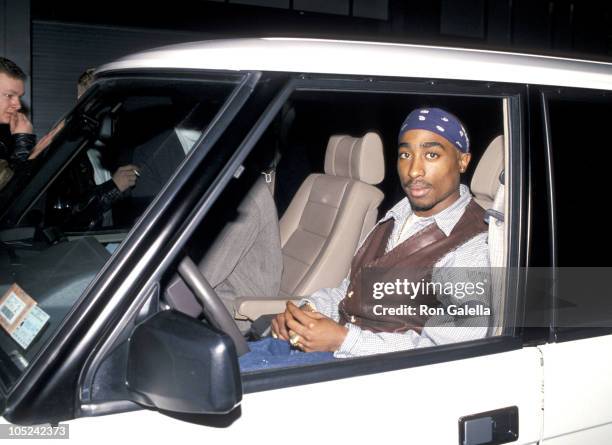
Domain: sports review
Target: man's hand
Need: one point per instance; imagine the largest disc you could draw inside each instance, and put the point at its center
(125, 177)
(19, 123)
(279, 323)
(317, 332)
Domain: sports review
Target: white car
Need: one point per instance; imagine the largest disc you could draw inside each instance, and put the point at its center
(93, 328)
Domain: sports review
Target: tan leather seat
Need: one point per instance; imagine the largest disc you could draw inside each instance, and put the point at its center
(486, 187)
(330, 213)
(485, 181)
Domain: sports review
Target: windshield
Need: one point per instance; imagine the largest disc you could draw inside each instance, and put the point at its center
(66, 212)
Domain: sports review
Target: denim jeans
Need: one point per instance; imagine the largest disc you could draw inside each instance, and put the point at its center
(275, 353)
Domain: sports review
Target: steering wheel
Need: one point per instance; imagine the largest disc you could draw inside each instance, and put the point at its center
(212, 306)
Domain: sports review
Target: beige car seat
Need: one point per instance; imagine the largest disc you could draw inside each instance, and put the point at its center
(329, 215)
(488, 187)
(485, 181)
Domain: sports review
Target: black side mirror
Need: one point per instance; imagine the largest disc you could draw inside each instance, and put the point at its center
(178, 364)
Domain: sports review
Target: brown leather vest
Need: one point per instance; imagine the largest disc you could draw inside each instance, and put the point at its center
(412, 260)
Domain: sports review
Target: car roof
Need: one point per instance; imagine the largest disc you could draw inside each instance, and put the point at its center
(371, 59)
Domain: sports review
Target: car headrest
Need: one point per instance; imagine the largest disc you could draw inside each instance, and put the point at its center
(487, 174)
(356, 158)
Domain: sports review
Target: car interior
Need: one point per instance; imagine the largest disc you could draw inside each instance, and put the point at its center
(333, 178)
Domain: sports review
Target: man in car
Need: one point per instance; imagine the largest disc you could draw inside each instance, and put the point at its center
(97, 189)
(436, 234)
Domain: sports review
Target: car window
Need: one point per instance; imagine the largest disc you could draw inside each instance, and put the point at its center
(109, 159)
(582, 291)
(291, 153)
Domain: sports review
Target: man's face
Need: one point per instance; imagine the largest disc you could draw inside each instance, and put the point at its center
(429, 167)
(11, 91)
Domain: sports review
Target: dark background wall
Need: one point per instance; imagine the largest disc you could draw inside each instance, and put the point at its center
(62, 51)
(15, 35)
(56, 40)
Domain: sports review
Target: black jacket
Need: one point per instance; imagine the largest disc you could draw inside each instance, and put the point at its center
(15, 148)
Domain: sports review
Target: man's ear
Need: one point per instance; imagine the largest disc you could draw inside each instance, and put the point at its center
(464, 161)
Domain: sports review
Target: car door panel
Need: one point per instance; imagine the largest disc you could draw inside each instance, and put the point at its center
(421, 404)
(578, 391)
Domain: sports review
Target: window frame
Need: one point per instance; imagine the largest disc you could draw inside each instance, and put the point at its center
(280, 378)
(149, 292)
(111, 286)
(517, 190)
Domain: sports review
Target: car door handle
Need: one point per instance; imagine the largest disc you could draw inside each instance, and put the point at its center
(489, 428)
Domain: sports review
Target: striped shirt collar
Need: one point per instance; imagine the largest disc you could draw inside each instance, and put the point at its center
(446, 219)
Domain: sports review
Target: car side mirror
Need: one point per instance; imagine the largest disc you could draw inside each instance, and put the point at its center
(178, 364)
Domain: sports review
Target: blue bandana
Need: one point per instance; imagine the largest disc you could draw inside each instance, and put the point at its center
(440, 122)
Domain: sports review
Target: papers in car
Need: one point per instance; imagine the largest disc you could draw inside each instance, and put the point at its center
(20, 316)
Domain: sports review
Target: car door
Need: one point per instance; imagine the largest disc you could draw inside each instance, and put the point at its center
(488, 390)
(486, 387)
(577, 365)
(421, 404)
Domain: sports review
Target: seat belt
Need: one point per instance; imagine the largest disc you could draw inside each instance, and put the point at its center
(270, 173)
(270, 177)
(497, 257)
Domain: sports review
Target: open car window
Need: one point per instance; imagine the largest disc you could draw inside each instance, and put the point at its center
(292, 151)
(79, 199)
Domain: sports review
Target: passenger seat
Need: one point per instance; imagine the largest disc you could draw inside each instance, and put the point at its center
(329, 215)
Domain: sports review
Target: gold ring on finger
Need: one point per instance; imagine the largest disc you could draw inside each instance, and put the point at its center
(294, 339)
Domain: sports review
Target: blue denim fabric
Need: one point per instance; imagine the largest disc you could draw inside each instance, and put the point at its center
(275, 353)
